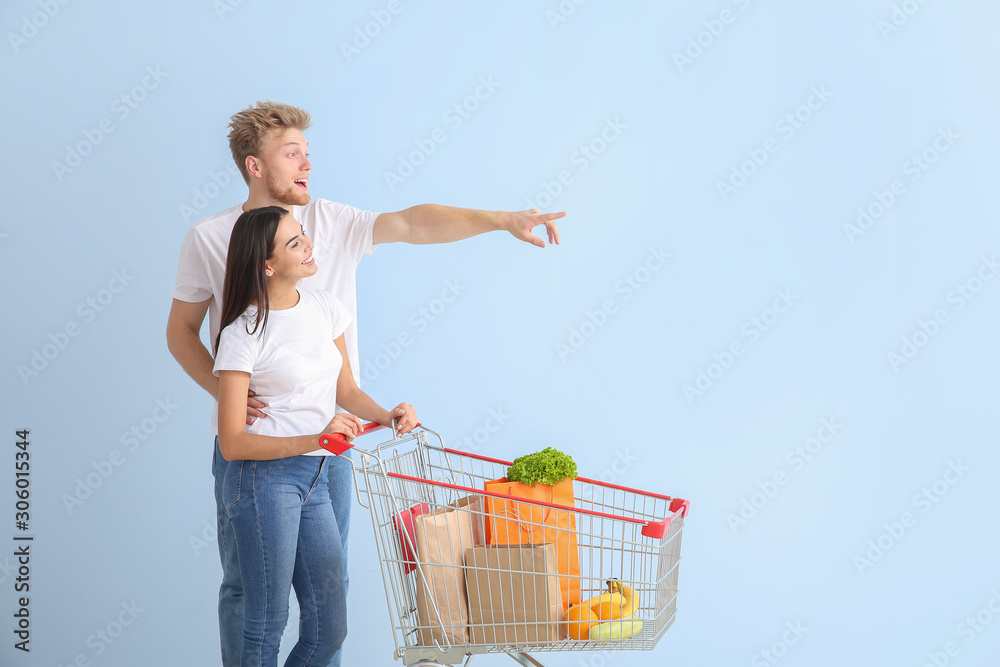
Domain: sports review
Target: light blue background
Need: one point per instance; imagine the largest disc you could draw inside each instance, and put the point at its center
(145, 536)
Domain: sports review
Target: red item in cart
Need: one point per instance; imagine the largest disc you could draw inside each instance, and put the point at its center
(403, 523)
(513, 522)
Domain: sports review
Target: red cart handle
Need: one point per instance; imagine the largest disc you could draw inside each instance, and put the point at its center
(337, 443)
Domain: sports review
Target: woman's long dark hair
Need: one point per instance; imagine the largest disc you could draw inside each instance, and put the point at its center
(250, 246)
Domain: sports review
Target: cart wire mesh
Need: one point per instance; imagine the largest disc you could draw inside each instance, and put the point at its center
(470, 571)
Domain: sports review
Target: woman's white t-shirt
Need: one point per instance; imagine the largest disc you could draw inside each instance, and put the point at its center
(293, 366)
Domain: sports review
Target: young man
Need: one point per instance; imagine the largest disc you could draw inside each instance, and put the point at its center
(269, 147)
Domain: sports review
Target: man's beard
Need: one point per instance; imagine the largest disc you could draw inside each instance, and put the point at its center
(289, 196)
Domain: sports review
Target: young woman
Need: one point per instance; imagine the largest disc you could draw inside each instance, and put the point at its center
(285, 343)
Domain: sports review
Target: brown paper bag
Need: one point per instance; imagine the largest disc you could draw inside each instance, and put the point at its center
(514, 594)
(441, 538)
(474, 506)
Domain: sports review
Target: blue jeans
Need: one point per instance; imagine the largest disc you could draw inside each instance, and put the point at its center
(341, 481)
(287, 536)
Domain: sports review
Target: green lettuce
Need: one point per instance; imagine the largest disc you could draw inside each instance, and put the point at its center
(549, 466)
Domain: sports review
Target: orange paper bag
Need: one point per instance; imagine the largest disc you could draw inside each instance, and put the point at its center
(513, 522)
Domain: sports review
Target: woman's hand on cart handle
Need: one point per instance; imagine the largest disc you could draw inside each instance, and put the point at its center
(405, 417)
(346, 424)
(338, 442)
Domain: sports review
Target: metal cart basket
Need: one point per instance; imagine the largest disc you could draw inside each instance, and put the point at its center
(621, 534)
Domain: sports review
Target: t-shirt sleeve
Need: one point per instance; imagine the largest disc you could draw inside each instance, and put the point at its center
(352, 227)
(340, 315)
(237, 349)
(192, 284)
(334, 309)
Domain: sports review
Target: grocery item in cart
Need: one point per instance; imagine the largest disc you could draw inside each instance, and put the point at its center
(513, 522)
(608, 616)
(442, 537)
(403, 523)
(514, 595)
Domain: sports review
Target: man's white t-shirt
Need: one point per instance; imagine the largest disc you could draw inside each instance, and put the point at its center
(293, 364)
(341, 235)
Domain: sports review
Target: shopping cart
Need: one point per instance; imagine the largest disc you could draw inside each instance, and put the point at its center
(624, 534)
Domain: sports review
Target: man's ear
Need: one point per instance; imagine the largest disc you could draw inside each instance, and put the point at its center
(254, 167)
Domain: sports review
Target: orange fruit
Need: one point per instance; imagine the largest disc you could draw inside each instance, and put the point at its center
(578, 621)
(607, 611)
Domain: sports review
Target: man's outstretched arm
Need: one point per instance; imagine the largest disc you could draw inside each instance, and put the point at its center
(433, 223)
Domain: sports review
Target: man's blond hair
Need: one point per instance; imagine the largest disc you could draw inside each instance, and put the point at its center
(248, 127)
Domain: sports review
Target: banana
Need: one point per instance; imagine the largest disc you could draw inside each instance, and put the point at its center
(609, 631)
(611, 596)
(631, 604)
